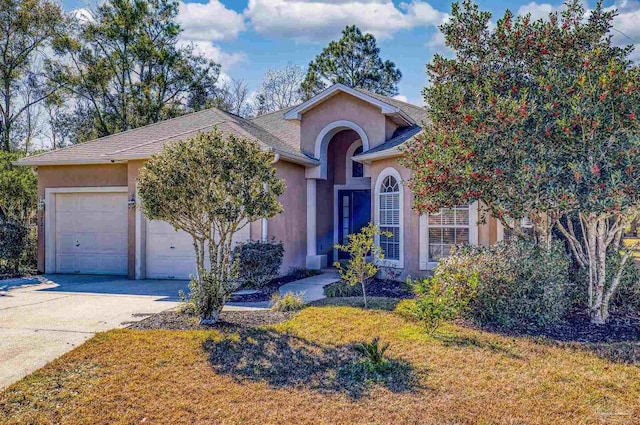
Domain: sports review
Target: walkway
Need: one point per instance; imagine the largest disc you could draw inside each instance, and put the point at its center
(310, 287)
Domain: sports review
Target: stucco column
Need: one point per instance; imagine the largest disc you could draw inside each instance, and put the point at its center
(314, 261)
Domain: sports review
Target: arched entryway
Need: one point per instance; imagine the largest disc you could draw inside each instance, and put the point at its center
(339, 194)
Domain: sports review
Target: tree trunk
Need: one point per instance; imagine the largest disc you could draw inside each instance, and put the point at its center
(364, 295)
(211, 318)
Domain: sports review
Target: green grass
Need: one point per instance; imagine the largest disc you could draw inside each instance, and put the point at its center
(305, 371)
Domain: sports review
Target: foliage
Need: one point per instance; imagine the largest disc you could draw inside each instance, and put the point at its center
(353, 61)
(342, 289)
(298, 273)
(372, 351)
(124, 67)
(26, 28)
(539, 118)
(258, 262)
(518, 283)
(210, 187)
(364, 253)
(18, 190)
(13, 241)
(627, 297)
(442, 297)
(287, 302)
(280, 89)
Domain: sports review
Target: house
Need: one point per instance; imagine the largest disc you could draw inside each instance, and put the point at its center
(337, 152)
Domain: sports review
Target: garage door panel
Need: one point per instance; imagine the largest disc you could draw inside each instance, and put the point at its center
(91, 233)
(170, 254)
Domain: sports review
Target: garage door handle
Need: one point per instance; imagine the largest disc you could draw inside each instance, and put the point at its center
(77, 244)
(172, 247)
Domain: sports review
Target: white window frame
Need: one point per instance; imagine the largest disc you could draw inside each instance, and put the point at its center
(525, 223)
(425, 264)
(349, 164)
(390, 171)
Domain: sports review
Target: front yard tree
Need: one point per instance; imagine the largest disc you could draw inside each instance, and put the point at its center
(354, 61)
(26, 28)
(123, 66)
(211, 187)
(537, 117)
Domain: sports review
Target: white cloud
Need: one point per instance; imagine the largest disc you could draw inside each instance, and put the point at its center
(401, 98)
(204, 23)
(210, 21)
(538, 10)
(626, 26)
(210, 51)
(319, 20)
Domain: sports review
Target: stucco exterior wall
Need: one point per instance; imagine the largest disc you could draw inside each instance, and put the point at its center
(74, 176)
(290, 226)
(411, 220)
(133, 169)
(342, 107)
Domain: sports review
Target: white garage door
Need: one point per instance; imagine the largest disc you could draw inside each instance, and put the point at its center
(91, 233)
(170, 254)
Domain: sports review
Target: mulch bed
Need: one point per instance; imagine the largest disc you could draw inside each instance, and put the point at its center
(173, 320)
(578, 328)
(265, 294)
(388, 289)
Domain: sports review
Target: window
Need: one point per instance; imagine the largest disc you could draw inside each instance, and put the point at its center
(526, 226)
(446, 229)
(357, 169)
(389, 210)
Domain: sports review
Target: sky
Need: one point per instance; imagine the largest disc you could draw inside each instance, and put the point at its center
(249, 37)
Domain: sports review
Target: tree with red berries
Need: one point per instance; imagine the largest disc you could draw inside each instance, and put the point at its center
(537, 118)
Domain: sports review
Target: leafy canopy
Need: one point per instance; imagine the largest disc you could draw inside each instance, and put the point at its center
(210, 179)
(354, 61)
(124, 68)
(26, 28)
(530, 116)
(211, 187)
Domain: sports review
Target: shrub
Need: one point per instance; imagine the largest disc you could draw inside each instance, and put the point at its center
(440, 298)
(372, 351)
(14, 241)
(258, 262)
(287, 302)
(342, 289)
(627, 297)
(519, 283)
(363, 255)
(298, 273)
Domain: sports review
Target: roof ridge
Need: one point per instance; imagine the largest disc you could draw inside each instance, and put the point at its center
(369, 92)
(128, 148)
(119, 133)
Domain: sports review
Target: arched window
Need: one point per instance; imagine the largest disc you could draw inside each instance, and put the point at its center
(389, 216)
(357, 169)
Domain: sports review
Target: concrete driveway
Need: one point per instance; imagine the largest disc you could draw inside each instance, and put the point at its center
(39, 323)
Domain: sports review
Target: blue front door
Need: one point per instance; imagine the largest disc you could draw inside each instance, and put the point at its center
(354, 213)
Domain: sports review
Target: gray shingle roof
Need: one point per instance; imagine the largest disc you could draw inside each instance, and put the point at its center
(142, 142)
(271, 131)
(400, 136)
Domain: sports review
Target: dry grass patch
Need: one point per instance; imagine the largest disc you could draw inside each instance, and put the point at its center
(304, 371)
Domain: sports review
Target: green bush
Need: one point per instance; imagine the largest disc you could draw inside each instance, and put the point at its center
(298, 273)
(258, 262)
(627, 297)
(287, 302)
(342, 289)
(14, 242)
(373, 352)
(519, 283)
(439, 298)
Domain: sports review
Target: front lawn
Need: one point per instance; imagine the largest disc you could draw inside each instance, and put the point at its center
(305, 370)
